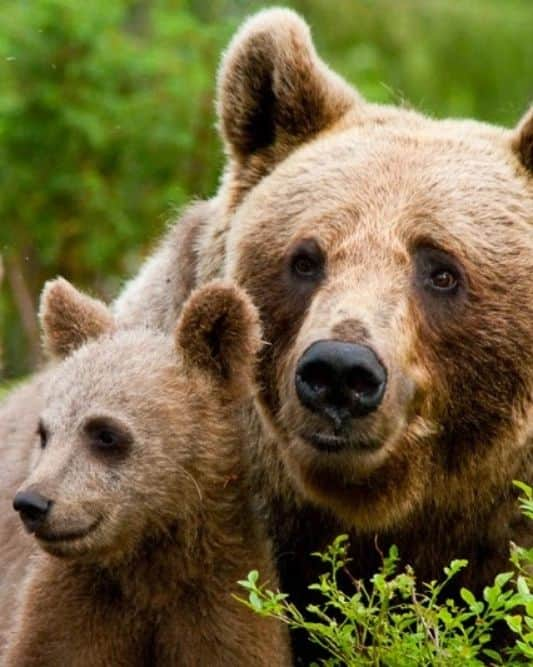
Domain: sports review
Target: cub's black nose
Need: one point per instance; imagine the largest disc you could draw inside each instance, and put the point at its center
(32, 508)
(339, 380)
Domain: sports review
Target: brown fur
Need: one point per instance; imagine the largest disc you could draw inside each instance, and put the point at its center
(165, 520)
(523, 142)
(69, 320)
(267, 103)
(432, 469)
(168, 277)
(375, 186)
(18, 446)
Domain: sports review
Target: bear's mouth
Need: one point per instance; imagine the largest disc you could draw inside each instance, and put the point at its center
(325, 442)
(332, 442)
(51, 537)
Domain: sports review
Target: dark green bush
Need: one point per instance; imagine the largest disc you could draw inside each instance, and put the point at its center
(105, 125)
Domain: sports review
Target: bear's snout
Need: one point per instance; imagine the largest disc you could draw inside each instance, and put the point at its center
(340, 381)
(32, 507)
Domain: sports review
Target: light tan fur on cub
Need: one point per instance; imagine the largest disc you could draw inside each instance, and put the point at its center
(151, 524)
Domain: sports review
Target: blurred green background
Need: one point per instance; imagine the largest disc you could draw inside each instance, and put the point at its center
(107, 124)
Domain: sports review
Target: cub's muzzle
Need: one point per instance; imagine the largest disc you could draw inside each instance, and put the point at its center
(340, 381)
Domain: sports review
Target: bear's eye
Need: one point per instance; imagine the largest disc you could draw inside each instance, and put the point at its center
(438, 272)
(107, 435)
(443, 280)
(307, 261)
(43, 435)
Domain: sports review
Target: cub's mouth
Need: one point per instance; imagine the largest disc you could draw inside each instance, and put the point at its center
(46, 536)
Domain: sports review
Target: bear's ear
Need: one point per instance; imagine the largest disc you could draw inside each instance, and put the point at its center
(218, 333)
(274, 92)
(69, 318)
(523, 140)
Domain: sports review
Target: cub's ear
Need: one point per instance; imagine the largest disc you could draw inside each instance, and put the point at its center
(274, 92)
(69, 318)
(523, 140)
(218, 333)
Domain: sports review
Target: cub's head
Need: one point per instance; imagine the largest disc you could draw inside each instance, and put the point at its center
(129, 418)
(391, 258)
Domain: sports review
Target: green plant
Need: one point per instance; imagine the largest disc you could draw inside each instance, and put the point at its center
(394, 621)
(106, 126)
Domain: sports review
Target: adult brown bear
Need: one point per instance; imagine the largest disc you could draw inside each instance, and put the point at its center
(391, 258)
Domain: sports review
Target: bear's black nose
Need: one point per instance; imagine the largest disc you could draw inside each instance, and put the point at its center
(340, 380)
(32, 508)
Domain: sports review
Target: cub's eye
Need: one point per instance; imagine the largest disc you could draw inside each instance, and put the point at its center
(43, 435)
(107, 435)
(443, 280)
(304, 266)
(307, 260)
(105, 438)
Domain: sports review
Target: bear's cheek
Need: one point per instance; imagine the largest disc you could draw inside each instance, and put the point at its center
(283, 308)
(478, 364)
(477, 359)
(106, 536)
(72, 530)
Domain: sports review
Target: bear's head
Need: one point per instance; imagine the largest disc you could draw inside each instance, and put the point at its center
(391, 258)
(134, 421)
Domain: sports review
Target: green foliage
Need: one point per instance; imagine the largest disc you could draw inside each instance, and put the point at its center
(467, 59)
(105, 123)
(107, 117)
(393, 621)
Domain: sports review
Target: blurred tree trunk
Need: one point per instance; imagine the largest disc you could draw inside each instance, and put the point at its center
(25, 306)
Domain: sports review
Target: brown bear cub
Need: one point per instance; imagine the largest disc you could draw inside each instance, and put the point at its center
(140, 497)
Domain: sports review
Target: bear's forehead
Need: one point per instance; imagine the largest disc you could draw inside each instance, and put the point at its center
(460, 182)
(126, 374)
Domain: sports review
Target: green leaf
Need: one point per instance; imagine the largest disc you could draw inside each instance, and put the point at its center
(522, 586)
(501, 579)
(255, 601)
(493, 655)
(525, 649)
(468, 597)
(514, 622)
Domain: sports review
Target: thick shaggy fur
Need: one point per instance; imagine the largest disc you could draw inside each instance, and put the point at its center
(163, 516)
(377, 190)
(18, 450)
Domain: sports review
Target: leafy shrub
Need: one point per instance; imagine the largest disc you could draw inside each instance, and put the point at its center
(393, 621)
(106, 124)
